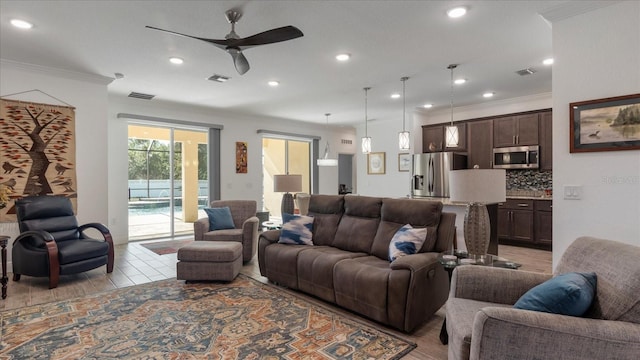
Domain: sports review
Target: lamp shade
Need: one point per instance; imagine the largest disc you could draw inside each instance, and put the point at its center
(287, 183)
(485, 186)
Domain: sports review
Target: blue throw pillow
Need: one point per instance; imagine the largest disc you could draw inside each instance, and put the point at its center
(406, 241)
(296, 230)
(567, 294)
(219, 218)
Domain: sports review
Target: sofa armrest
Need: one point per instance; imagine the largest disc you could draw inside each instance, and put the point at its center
(271, 236)
(250, 238)
(505, 333)
(200, 227)
(496, 285)
(414, 262)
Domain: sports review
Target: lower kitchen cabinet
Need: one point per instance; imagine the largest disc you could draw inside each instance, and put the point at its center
(525, 222)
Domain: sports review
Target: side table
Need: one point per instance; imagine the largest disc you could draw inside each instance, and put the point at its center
(451, 259)
(3, 252)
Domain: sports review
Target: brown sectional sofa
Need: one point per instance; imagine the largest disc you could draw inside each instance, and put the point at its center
(348, 264)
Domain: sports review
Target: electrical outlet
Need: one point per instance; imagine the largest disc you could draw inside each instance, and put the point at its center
(573, 192)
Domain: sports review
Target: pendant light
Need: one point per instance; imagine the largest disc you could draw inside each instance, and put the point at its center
(325, 161)
(404, 140)
(366, 140)
(451, 131)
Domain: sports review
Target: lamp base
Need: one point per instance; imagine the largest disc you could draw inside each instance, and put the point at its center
(477, 229)
(287, 204)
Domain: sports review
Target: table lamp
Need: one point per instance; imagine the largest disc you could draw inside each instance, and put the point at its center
(287, 184)
(477, 187)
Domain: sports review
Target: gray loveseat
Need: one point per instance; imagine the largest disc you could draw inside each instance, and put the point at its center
(482, 323)
(348, 264)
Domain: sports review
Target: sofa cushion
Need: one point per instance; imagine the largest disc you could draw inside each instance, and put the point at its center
(219, 218)
(223, 235)
(406, 241)
(296, 230)
(283, 263)
(326, 211)
(359, 224)
(397, 212)
(567, 294)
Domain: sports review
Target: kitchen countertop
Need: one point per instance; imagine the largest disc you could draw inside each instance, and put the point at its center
(530, 197)
(447, 201)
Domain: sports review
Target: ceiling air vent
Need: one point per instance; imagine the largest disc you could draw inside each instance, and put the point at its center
(218, 78)
(142, 96)
(527, 71)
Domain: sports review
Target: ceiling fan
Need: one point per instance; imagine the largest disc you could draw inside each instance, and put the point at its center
(234, 44)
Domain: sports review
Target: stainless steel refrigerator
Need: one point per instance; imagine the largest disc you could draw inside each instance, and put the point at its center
(430, 173)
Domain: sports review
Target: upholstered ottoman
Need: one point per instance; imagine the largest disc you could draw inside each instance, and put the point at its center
(209, 260)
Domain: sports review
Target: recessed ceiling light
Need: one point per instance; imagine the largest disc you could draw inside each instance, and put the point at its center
(427, 106)
(457, 12)
(488, 94)
(273, 83)
(176, 60)
(343, 57)
(21, 24)
(548, 61)
(459, 81)
(395, 96)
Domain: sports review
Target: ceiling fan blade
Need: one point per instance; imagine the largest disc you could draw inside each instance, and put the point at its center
(268, 37)
(239, 60)
(222, 44)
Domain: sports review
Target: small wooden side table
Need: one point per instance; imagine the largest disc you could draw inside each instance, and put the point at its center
(3, 252)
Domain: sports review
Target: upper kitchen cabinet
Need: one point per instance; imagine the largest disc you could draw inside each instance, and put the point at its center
(433, 138)
(480, 144)
(515, 130)
(546, 141)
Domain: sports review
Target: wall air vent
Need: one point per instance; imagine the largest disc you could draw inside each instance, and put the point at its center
(218, 78)
(347, 141)
(142, 96)
(527, 71)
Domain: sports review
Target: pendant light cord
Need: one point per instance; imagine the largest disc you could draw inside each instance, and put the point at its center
(366, 90)
(404, 101)
(452, 66)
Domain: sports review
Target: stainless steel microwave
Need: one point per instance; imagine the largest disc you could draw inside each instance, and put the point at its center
(517, 157)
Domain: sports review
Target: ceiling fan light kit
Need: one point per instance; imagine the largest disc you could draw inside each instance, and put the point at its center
(234, 44)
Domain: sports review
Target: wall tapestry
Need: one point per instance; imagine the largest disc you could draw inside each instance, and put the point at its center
(241, 157)
(37, 152)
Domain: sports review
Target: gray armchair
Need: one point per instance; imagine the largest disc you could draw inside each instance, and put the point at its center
(482, 323)
(246, 224)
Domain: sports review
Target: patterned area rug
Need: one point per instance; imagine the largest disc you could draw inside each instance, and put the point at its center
(169, 319)
(166, 247)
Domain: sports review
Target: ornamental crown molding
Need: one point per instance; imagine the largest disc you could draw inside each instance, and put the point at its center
(68, 74)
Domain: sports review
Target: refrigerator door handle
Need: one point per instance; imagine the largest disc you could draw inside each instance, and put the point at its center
(431, 174)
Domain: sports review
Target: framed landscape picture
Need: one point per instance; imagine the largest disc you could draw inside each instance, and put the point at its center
(605, 124)
(376, 163)
(404, 162)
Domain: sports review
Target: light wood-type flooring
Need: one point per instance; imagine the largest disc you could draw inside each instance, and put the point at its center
(136, 265)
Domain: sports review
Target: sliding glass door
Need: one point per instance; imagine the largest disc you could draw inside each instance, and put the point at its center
(167, 180)
(284, 156)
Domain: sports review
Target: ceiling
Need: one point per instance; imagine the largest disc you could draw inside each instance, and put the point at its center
(386, 39)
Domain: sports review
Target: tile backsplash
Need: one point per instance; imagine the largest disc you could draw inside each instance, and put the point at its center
(530, 180)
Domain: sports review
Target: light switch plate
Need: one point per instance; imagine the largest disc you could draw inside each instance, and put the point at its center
(573, 192)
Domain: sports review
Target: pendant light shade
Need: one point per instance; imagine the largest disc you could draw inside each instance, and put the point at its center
(404, 137)
(325, 160)
(451, 131)
(366, 140)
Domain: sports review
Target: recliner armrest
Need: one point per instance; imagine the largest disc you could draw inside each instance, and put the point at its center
(414, 262)
(98, 226)
(499, 333)
(35, 238)
(496, 285)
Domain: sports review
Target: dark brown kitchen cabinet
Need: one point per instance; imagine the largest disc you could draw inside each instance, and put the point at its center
(546, 141)
(515, 220)
(432, 138)
(515, 130)
(543, 222)
(480, 144)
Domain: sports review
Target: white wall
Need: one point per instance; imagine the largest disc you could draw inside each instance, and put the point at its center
(88, 94)
(236, 128)
(597, 55)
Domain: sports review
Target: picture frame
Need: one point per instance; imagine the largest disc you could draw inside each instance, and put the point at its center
(241, 157)
(376, 163)
(608, 124)
(404, 162)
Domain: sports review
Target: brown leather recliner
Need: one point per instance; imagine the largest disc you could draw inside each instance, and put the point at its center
(52, 244)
